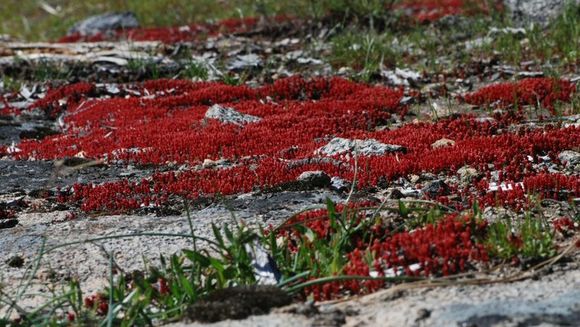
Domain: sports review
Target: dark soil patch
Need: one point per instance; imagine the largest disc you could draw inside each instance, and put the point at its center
(238, 303)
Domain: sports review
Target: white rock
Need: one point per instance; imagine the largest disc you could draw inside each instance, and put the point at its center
(442, 143)
(368, 147)
(245, 61)
(569, 157)
(401, 76)
(229, 115)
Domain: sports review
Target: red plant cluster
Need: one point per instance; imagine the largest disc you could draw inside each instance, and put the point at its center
(553, 186)
(174, 34)
(55, 100)
(547, 186)
(564, 225)
(444, 248)
(171, 128)
(432, 10)
(166, 126)
(98, 302)
(420, 10)
(544, 92)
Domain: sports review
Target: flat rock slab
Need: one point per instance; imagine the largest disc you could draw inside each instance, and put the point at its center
(553, 300)
(17, 176)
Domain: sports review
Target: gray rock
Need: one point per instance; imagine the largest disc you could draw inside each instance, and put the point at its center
(569, 158)
(316, 178)
(403, 76)
(242, 62)
(524, 12)
(104, 23)
(229, 115)
(467, 174)
(436, 188)
(368, 147)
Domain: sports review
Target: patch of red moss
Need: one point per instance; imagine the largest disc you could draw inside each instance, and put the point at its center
(541, 92)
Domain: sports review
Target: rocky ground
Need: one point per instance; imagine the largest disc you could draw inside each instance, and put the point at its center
(62, 181)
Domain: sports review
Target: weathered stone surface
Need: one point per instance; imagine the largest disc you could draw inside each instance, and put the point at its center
(549, 301)
(242, 62)
(524, 12)
(467, 174)
(229, 115)
(104, 23)
(442, 143)
(569, 158)
(368, 147)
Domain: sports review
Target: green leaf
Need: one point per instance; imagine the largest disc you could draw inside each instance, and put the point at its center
(403, 209)
(196, 257)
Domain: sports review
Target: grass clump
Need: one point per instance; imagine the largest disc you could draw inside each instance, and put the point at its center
(366, 52)
(195, 71)
(529, 239)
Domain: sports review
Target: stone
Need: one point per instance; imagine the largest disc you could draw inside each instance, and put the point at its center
(467, 174)
(237, 302)
(229, 115)
(242, 62)
(569, 158)
(442, 143)
(436, 188)
(104, 23)
(535, 11)
(316, 178)
(399, 76)
(368, 147)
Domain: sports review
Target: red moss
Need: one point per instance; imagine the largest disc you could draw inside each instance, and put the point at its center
(298, 116)
(554, 186)
(432, 10)
(98, 302)
(69, 94)
(544, 92)
(564, 225)
(447, 247)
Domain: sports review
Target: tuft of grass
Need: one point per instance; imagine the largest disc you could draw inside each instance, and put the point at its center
(10, 84)
(529, 239)
(195, 71)
(560, 40)
(366, 52)
(144, 67)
